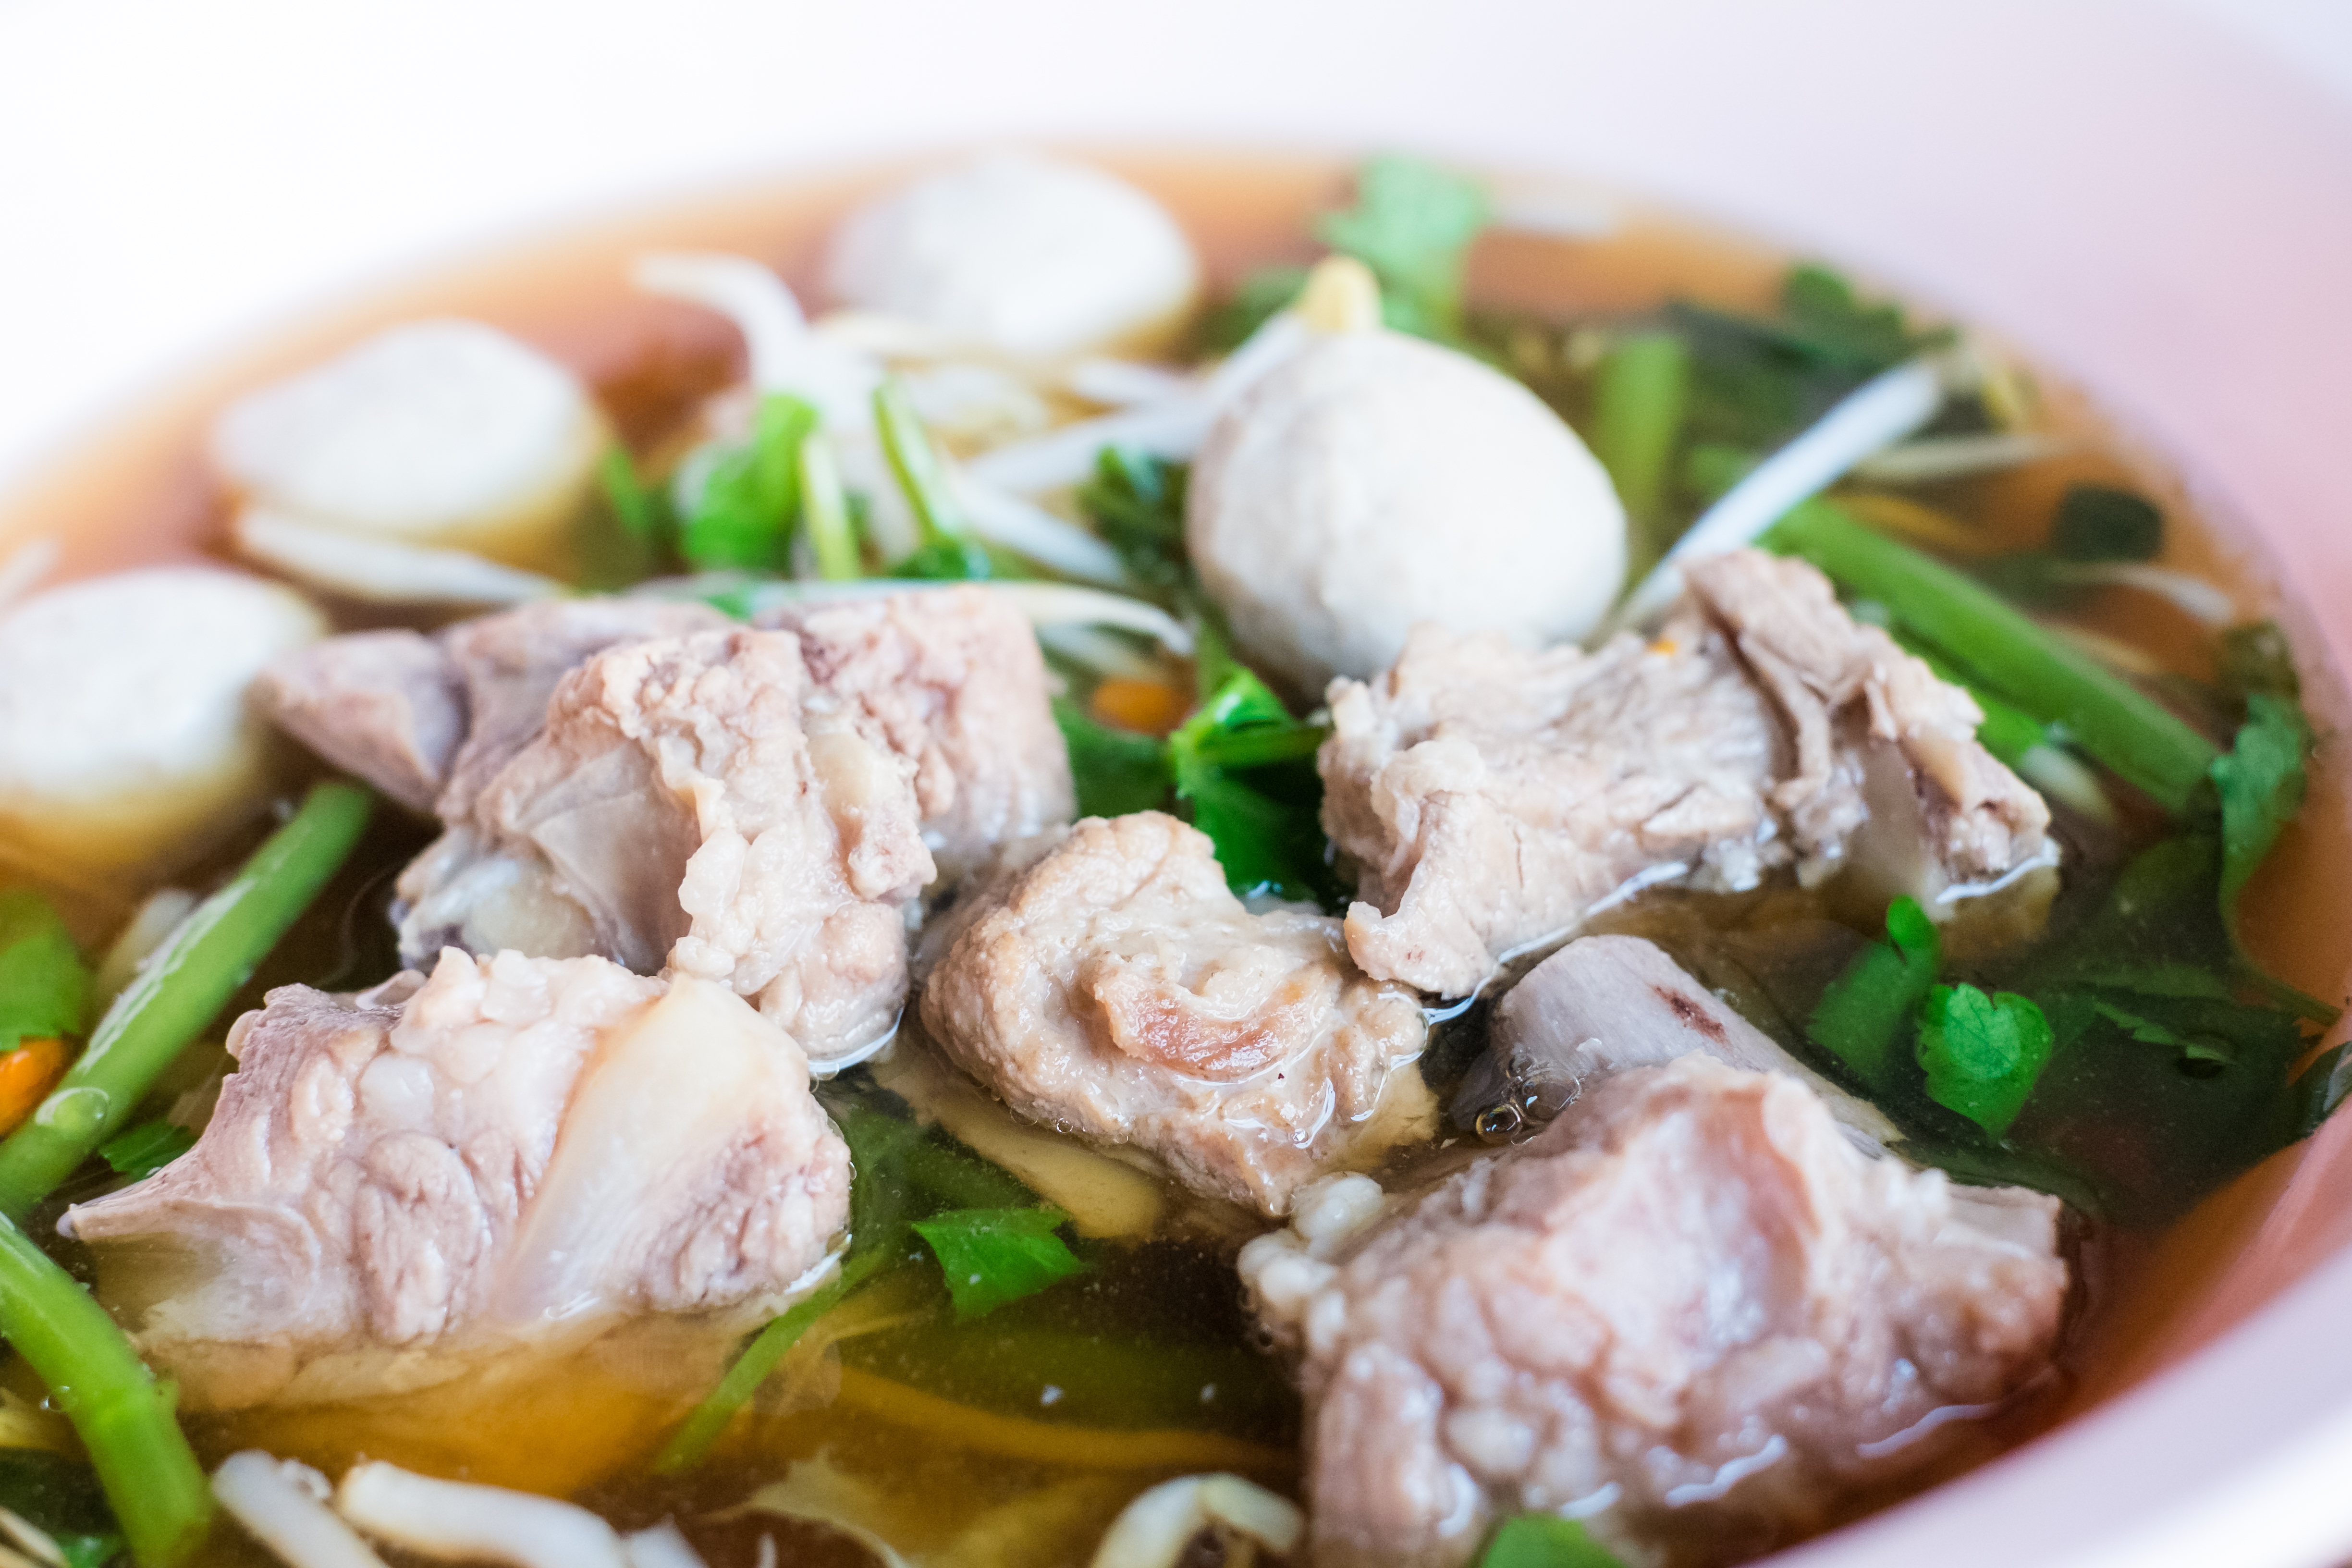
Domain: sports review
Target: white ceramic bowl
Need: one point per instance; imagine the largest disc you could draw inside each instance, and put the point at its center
(2142, 203)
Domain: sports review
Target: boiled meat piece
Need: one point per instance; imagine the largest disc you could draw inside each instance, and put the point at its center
(477, 1156)
(1690, 1311)
(952, 680)
(688, 801)
(1493, 797)
(1604, 1003)
(388, 707)
(1115, 987)
(428, 720)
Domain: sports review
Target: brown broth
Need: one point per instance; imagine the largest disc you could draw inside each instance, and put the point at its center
(955, 1429)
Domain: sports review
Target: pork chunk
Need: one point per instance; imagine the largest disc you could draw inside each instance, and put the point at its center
(1690, 1311)
(388, 707)
(687, 802)
(952, 680)
(1493, 797)
(1116, 988)
(476, 1156)
(1604, 1003)
(416, 715)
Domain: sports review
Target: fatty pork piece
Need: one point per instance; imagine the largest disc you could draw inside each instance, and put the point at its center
(950, 679)
(1117, 989)
(471, 1159)
(694, 801)
(1493, 797)
(1690, 1311)
(1604, 1003)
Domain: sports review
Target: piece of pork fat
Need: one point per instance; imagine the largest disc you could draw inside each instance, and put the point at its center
(1115, 987)
(1493, 797)
(1690, 1311)
(687, 802)
(952, 680)
(1604, 1003)
(509, 1148)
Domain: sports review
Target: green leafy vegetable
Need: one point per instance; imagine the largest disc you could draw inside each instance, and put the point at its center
(212, 953)
(1827, 321)
(948, 552)
(1116, 771)
(61, 1496)
(1640, 395)
(2261, 784)
(44, 986)
(1983, 1053)
(1136, 501)
(1866, 1008)
(2096, 522)
(1544, 1541)
(123, 1417)
(2138, 738)
(1265, 842)
(990, 1256)
(1412, 224)
(743, 518)
(638, 531)
(146, 1148)
(2149, 1031)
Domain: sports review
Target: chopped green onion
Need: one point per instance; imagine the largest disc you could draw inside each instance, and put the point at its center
(1639, 397)
(182, 988)
(123, 1417)
(2132, 733)
(825, 505)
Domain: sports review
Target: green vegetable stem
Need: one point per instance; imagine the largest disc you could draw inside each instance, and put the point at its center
(44, 986)
(179, 991)
(948, 551)
(1638, 402)
(123, 1416)
(1863, 1011)
(2132, 733)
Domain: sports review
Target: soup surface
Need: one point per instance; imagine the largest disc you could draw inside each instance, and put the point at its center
(1023, 1329)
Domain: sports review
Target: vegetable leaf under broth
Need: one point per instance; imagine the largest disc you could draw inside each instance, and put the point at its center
(1544, 1541)
(43, 986)
(146, 1148)
(61, 1496)
(1136, 501)
(992, 1257)
(2260, 783)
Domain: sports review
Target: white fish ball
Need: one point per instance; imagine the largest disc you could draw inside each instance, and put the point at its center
(1028, 255)
(124, 733)
(444, 432)
(1374, 480)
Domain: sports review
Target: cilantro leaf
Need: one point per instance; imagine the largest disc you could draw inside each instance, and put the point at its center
(2261, 784)
(1544, 1541)
(1412, 225)
(1265, 843)
(991, 1256)
(1865, 1009)
(1983, 1053)
(1259, 295)
(44, 987)
(743, 518)
(1829, 321)
(146, 1149)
